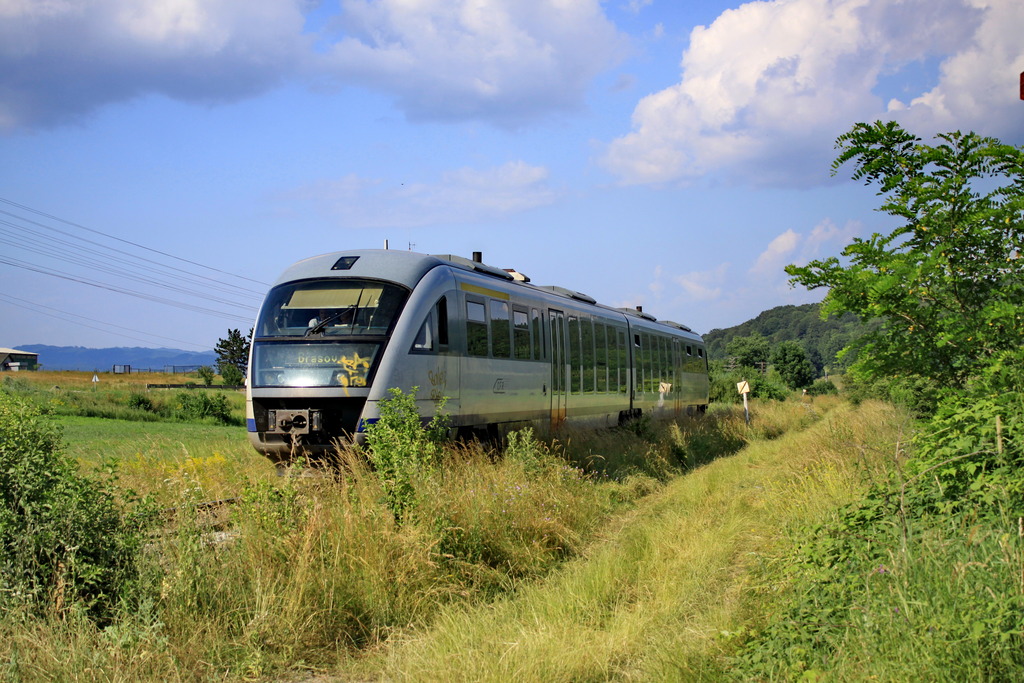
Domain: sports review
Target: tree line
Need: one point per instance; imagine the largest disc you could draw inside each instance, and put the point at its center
(822, 339)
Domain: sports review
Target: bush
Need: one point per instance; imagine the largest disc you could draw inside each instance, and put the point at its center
(197, 405)
(917, 394)
(973, 445)
(401, 447)
(141, 402)
(206, 374)
(822, 387)
(770, 388)
(64, 542)
(723, 385)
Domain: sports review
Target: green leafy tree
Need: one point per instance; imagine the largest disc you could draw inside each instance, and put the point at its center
(233, 351)
(231, 375)
(947, 280)
(749, 352)
(790, 360)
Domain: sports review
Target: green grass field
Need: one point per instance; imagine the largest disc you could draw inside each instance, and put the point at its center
(167, 458)
(699, 550)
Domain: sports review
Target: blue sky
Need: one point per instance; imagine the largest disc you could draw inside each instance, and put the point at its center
(664, 153)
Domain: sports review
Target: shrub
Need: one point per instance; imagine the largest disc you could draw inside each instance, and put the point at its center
(919, 395)
(140, 402)
(206, 374)
(723, 385)
(64, 542)
(402, 447)
(822, 387)
(973, 447)
(196, 405)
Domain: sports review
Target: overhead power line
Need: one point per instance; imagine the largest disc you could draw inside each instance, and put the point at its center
(129, 242)
(103, 261)
(122, 290)
(94, 324)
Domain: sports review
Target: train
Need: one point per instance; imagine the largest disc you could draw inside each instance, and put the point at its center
(337, 331)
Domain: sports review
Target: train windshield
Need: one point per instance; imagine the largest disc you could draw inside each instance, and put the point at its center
(328, 308)
(322, 333)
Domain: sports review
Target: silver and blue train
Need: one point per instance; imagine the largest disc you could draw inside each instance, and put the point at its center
(337, 331)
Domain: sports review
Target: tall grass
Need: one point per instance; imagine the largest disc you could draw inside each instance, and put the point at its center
(652, 600)
(318, 569)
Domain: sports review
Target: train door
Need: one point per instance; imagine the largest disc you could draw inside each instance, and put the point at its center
(556, 320)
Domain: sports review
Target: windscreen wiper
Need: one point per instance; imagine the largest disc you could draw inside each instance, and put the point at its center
(319, 327)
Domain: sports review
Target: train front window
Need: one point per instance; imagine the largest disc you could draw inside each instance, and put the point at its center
(324, 333)
(293, 364)
(330, 308)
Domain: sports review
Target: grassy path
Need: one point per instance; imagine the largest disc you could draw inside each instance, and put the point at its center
(653, 601)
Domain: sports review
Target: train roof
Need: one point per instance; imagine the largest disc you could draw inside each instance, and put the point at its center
(408, 268)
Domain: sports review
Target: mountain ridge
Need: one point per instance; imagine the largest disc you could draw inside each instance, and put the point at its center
(104, 359)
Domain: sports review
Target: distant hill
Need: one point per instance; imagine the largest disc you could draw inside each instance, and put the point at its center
(82, 358)
(822, 339)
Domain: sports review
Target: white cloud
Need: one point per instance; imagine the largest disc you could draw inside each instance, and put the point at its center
(673, 296)
(976, 90)
(60, 59)
(657, 285)
(504, 61)
(827, 238)
(767, 87)
(466, 195)
(773, 259)
(704, 285)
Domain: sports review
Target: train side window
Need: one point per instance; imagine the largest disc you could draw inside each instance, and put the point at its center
(433, 333)
(521, 333)
(622, 361)
(476, 328)
(615, 349)
(538, 336)
(647, 361)
(425, 338)
(587, 343)
(601, 349)
(677, 361)
(662, 355)
(501, 332)
(669, 361)
(442, 322)
(574, 355)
